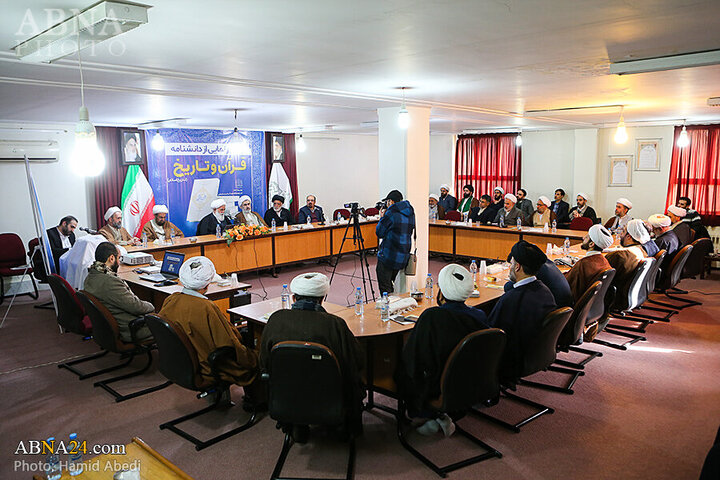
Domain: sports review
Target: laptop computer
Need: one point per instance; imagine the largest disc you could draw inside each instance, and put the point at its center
(172, 261)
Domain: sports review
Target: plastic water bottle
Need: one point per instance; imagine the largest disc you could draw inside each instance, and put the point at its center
(172, 237)
(474, 272)
(309, 221)
(273, 226)
(566, 246)
(285, 226)
(285, 296)
(429, 286)
(75, 463)
(466, 215)
(359, 306)
(144, 240)
(385, 308)
(53, 470)
(501, 223)
(218, 231)
(519, 224)
(554, 226)
(339, 217)
(545, 228)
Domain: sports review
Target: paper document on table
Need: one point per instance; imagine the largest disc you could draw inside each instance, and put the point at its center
(204, 191)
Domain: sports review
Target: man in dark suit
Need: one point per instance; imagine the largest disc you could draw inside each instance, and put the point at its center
(485, 213)
(560, 207)
(315, 212)
(62, 238)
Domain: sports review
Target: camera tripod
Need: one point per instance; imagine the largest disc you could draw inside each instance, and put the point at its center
(357, 239)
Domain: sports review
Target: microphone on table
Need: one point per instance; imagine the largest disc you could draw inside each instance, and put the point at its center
(88, 230)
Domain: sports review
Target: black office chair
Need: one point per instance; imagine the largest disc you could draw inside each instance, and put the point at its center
(306, 387)
(669, 281)
(470, 376)
(178, 361)
(696, 261)
(540, 355)
(107, 335)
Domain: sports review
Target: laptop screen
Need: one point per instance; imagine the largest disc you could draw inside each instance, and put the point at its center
(172, 261)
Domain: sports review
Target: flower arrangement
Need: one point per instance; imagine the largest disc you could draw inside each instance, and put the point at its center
(239, 232)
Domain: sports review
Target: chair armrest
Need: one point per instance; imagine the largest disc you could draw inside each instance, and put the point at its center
(218, 356)
(134, 326)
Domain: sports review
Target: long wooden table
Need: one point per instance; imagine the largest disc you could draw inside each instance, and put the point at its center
(494, 243)
(271, 250)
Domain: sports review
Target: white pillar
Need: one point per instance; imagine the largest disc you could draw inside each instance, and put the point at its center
(404, 165)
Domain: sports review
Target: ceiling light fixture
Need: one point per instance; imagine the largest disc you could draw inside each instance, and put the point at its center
(670, 62)
(300, 145)
(403, 114)
(158, 142)
(86, 159)
(621, 135)
(238, 143)
(683, 139)
(93, 25)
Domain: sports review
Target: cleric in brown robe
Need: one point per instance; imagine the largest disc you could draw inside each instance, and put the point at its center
(113, 229)
(209, 329)
(160, 226)
(587, 268)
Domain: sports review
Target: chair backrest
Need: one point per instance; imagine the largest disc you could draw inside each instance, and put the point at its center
(575, 327)
(36, 260)
(471, 371)
(453, 216)
(70, 312)
(543, 349)
(372, 211)
(12, 252)
(306, 385)
(674, 273)
(177, 358)
(105, 328)
(605, 296)
(638, 291)
(581, 223)
(696, 261)
(342, 211)
(656, 270)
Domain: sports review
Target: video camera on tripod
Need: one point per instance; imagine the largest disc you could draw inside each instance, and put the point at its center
(355, 209)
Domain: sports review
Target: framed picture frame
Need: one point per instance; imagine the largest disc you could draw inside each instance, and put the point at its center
(647, 154)
(277, 147)
(620, 171)
(132, 146)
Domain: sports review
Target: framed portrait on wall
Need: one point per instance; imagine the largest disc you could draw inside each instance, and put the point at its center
(620, 170)
(277, 143)
(132, 146)
(647, 154)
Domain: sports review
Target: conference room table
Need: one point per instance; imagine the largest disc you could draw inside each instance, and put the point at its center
(494, 243)
(296, 244)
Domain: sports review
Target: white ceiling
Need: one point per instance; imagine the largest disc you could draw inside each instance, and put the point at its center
(305, 64)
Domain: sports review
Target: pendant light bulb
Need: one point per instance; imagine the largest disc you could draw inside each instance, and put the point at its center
(238, 143)
(158, 142)
(403, 114)
(300, 145)
(518, 140)
(621, 135)
(684, 139)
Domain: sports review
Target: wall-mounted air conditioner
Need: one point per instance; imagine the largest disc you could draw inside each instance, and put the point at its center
(41, 151)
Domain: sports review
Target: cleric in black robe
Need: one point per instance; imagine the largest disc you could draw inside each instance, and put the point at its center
(520, 312)
(308, 321)
(665, 239)
(62, 238)
(437, 332)
(277, 212)
(553, 278)
(208, 225)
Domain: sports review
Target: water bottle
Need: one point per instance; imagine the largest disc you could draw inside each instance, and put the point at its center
(501, 223)
(429, 286)
(554, 226)
(285, 295)
(339, 217)
(385, 308)
(309, 221)
(519, 224)
(53, 471)
(144, 240)
(273, 226)
(285, 226)
(172, 236)
(75, 463)
(473, 272)
(359, 307)
(566, 246)
(545, 228)
(218, 231)
(466, 215)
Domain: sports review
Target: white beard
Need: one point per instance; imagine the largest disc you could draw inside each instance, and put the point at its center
(219, 216)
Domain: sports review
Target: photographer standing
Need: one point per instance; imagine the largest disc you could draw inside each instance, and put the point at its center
(395, 228)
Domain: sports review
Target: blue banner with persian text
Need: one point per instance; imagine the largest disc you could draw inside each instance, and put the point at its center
(196, 166)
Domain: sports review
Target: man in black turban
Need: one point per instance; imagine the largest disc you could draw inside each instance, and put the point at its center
(277, 212)
(521, 310)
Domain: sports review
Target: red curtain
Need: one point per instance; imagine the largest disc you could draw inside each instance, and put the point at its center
(695, 171)
(487, 161)
(107, 187)
(290, 167)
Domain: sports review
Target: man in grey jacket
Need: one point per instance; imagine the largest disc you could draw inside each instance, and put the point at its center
(510, 213)
(103, 283)
(524, 204)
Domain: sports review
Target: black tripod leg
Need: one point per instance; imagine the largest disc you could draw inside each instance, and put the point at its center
(339, 254)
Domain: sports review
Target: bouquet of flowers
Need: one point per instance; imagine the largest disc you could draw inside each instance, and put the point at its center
(239, 232)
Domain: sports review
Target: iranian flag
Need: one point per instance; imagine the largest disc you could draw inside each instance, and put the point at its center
(279, 184)
(137, 201)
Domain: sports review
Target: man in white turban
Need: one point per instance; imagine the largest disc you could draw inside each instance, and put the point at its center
(160, 226)
(247, 216)
(587, 268)
(582, 209)
(210, 222)
(509, 215)
(436, 211)
(113, 229)
(447, 201)
(681, 228)
(665, 237)
(621, 218)
(307, 321)
(637, 239)
(435, 334)
(208, 329)
(543, 215)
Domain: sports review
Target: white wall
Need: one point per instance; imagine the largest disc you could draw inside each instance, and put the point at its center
(442, 161)
(547, 162)
(59, 190)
